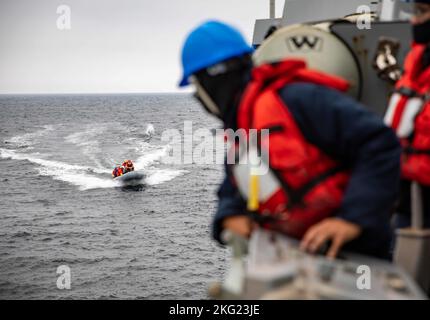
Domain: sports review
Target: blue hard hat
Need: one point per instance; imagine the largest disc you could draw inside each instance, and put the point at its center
(209, 44)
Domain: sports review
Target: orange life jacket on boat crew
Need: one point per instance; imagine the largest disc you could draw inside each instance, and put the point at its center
(128, 165)
(303, 185)
(408, 114)
(117, 172)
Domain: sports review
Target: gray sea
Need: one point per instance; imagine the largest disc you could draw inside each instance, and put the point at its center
(59, 205)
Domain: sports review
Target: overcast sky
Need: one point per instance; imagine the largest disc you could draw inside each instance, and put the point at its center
(112, 46)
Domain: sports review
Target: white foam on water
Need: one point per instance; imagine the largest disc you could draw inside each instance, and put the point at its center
(149, 131)
(88, 143)
(147, 161)
(83, 176)
(86, 177)
(71, 173)
(163, 175)
(83, 181)
(150, 156)
(12, 154)
(85, 138)
(28, 139)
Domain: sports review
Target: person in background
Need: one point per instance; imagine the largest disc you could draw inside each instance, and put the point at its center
(408, 114)
(337, 163)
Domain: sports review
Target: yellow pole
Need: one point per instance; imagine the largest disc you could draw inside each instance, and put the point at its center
(253, 192)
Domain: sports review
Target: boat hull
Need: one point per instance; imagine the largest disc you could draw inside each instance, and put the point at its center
(133, 178)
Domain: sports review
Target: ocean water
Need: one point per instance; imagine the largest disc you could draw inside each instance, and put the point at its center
(59, 205)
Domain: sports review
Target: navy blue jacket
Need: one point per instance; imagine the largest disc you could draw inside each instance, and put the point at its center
(357, 138)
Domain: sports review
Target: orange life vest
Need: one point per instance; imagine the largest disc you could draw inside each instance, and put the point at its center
(310, 184)
(408, 114)
(118, 172)
(128, 165)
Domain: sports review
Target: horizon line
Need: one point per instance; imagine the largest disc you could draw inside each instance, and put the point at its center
(89, 93)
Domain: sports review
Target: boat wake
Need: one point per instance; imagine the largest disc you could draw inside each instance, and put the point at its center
(95, 172)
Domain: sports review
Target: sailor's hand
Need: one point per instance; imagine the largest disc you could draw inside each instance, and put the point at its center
(336, 230)
(240, 225)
